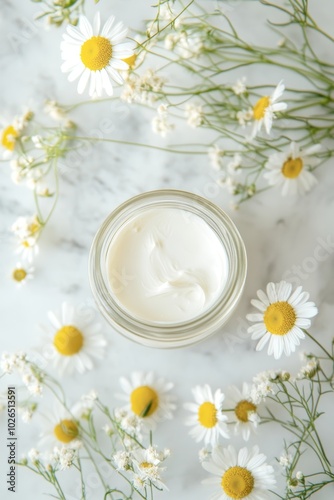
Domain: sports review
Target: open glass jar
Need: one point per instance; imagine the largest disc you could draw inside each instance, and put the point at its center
(153, 332)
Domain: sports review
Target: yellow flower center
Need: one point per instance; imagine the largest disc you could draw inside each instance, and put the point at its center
(146, 465)
(26, 243)
(19, 274)
(279, 318)
(8, 137)
(68, 340)
(242, 410)
(207, 415)
(260, 108)
(34, 226)
(66, 431)
(237, 482)
(96, 53)
(144, 401)
(292, 168)
(130, 60)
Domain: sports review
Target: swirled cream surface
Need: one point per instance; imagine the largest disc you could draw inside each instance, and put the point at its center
(166, 265)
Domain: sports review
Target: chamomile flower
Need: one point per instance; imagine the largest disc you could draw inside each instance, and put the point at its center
(207, 421)
(245, 415)
(283, 316)
(285, 460)
(216, 155)
(22, 273)
(59, 428)
(95, 55)
(9, 135)
(148, 398)
(12, 131)
(265, 108)
(28, 249)
(26, 227)
(74, 340)
(290, 170)
(239, 87)
(243, 474)
(310, 369)
(194, 115)
(147, 466)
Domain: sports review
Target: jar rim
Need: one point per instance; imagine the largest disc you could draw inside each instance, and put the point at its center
(156, 334)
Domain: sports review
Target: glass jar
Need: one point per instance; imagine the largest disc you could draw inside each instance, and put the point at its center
(168, 335)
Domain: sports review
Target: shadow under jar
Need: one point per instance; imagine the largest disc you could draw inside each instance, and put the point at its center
(167, 268)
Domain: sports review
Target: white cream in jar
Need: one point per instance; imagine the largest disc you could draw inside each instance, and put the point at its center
(166, 265)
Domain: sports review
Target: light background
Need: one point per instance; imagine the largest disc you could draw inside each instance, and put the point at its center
(279, 234)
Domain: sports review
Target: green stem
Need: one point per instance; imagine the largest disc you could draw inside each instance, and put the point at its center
(319, 345)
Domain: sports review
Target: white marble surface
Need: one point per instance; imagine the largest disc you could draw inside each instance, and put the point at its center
(280, 235)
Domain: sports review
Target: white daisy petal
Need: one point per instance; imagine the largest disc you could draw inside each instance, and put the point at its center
(291, 169)
(115, 75)
(257, 330)
(268, 121)
(98, 83)
(209, 421)
(278, 92)
(92, 84)
(307, 310)
(295, 297)
(117, 37)
(74, 33)
(85, 27)
(56, 323)
(225, 465)
(271, 292)
(73, 346)
(106, 83)
(260, 345)
(106, 28)
(265, 108)
(76, 69)
(280, 106)
(120, 65)
(96, 24)
(148, 398)
(83, 81)
(259, 305)
(263, 297)
(102, 58)
(60, 428)
(280, 325)
(244, 417)
(312, 150)
(284, 291)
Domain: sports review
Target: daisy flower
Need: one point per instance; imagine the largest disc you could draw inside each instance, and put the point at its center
(242, 475)
(74, 340)
(216, 155)
(265, 108)
(21, 274)
(147, 466)
(28, 249)
(290, 170)
(9, 136)
(283, 316)
(148, 398)
(207, 420)
(12, 131)
(244, 416)
(95, 55)
(59, 428)
(239, 87)
(26, 227)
